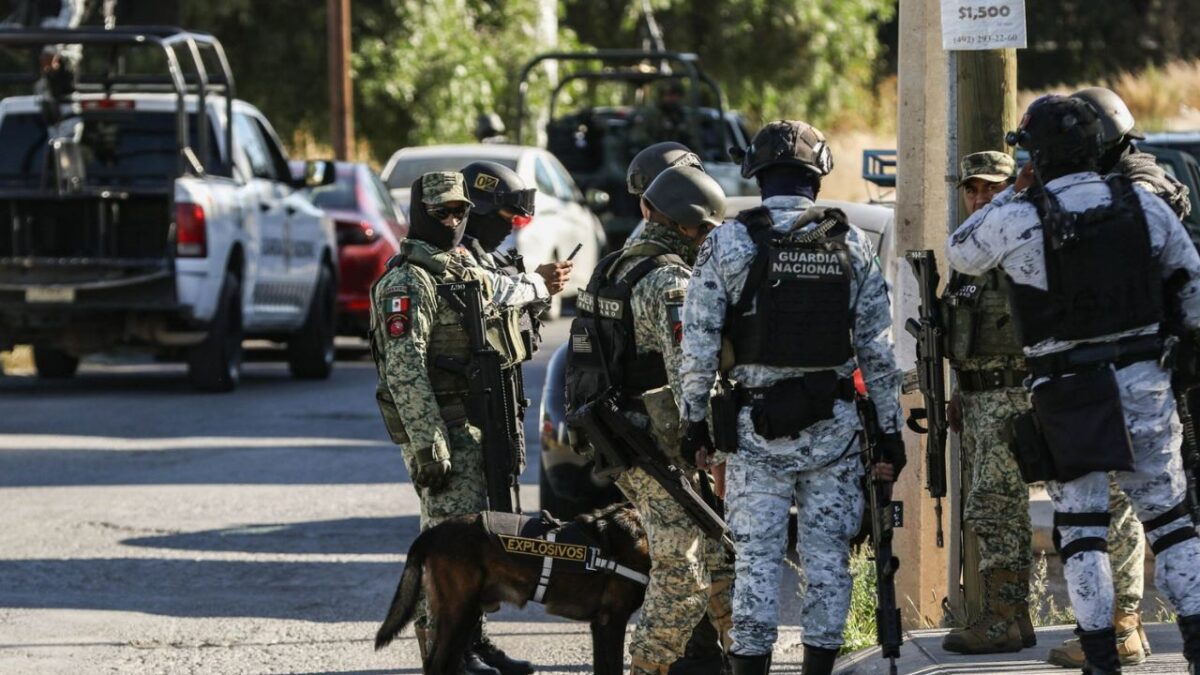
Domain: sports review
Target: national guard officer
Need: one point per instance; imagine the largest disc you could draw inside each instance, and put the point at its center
(1087, 298)
(634, 300)
(799, 293)
(986, 356)
(422, 405)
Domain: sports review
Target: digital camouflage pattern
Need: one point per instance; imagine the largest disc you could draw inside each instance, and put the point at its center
(821, 467)
(406, 376)
(440, 187)
(1126, 549)
(509, 287)
(990, 165)
(1007, 233)
(685, 565)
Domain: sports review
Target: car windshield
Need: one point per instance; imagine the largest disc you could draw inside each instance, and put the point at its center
(341, 194)
(407, 170)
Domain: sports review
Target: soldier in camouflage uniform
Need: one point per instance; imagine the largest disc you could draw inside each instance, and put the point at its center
(990, 367)
(1087, 298)
(422, 405)
(778, 282)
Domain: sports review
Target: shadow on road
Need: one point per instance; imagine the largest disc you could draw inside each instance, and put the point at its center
(347, 535)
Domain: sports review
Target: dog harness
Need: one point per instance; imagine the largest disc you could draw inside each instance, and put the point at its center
(553, 547)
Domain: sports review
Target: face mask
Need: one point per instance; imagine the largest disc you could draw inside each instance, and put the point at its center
(429, 230)
(490, 229)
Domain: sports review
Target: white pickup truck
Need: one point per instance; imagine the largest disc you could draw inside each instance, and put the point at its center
(157, 210)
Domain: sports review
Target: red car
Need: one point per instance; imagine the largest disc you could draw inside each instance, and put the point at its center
(369, 229)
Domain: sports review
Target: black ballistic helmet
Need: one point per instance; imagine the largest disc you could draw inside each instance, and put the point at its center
(1114, 114)
(687, 196)
(655, 159)
(1060, 133)
(493, 185)
(787, 143)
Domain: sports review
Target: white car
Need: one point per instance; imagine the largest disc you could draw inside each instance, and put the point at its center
(561, 220)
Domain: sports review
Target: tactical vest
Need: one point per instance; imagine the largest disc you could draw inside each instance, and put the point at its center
(603, 352)
(794, 310)
(978, 321)
(1101, 274)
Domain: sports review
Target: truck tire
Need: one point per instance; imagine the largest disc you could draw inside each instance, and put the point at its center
(310, 351)
(54, 364)
(216, 364)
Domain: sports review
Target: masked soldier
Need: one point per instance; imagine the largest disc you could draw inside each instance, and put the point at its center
(1087, 299)
(990, 368)
(634, 299)
(799, 293)
(423, 405)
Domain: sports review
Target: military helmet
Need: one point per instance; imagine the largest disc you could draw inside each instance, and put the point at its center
(488, 125)
(493, 186)
(687, 196)
(1059, 131)
(1114, 114)
(786, 142)
(653, 160)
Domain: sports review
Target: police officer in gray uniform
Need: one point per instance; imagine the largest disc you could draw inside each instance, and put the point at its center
(1087, 257)
(799, 293)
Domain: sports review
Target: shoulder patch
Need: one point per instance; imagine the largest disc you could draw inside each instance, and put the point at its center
(397, 306)
(705, 251)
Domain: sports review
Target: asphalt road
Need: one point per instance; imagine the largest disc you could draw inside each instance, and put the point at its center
(147, 528)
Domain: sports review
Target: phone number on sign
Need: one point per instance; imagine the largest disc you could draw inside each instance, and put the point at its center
(985, 39)
(983, 12)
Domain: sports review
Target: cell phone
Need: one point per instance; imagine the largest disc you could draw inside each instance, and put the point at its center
(572, 256)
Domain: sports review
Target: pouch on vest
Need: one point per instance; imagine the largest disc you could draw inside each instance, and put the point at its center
(1083, 423)
(504, 335)
(724, 417)
(786, 408)
(1029, 448)
(391, 417)
(663, 411)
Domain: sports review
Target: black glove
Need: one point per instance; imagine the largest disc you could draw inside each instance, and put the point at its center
(891, 451)
(695, 439)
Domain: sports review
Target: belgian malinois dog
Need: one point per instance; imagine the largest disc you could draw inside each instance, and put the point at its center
(466, 571)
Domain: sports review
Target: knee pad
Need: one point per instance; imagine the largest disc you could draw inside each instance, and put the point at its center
(1093, 519)
(1176, 536)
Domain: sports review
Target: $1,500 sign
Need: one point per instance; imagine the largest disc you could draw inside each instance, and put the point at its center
(983, 24)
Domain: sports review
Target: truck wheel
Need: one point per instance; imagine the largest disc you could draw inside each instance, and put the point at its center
(216, 363)
(310, 352)
(54, 364)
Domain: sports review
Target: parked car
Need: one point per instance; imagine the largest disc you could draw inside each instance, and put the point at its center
(1181, 164)
(561, 219)
(369, 229)
(566, 482)
(165, 220)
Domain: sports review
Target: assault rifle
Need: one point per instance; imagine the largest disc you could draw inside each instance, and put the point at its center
(490, 404)
(929, 331)
(885, 515)
(619, 443)
(1190, 450)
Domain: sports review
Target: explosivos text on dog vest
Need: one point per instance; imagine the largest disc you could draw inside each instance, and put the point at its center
(554, 547)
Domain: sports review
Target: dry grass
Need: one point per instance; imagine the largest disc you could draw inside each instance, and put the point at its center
(1163, 98)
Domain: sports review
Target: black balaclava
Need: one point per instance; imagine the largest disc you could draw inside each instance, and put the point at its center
(1114, 155)
(422, 226)
(489, 229)
(788, 181)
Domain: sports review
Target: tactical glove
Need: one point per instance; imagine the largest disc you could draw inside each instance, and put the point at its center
(695, 439)
(431, 469)
(891, 450)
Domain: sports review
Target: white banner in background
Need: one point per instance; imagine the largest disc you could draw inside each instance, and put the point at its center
(983, 24)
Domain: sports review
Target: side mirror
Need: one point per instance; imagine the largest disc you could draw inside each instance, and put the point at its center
(317, 172)
(597, 200)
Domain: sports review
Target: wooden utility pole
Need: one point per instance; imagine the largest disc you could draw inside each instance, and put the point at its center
(986, 109)
(341, 95)
(921, 199)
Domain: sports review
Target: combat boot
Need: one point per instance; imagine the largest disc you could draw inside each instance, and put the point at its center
(1100, 651)
(1189, 627)
(818, 661)
(640, 666)
(997, 629)
(1024, 620)
(703, 654)
(759, 664)
(473, 665)
(1132, 647)
(496, 658)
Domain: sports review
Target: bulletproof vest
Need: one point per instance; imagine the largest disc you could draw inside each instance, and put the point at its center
(511, 265)
(1101, 274)
(603, 350)
(794, 310)
(978, 321)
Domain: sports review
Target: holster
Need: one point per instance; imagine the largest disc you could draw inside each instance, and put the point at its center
(1029, 448)
(724, 417)
(1083, 423)
(786, 408)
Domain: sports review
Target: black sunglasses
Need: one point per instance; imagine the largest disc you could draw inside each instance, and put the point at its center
(444, 212)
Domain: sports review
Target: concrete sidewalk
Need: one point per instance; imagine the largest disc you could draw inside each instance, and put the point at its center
(922, 654)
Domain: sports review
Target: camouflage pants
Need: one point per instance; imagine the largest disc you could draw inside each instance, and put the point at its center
(829, 501)
(689, 573)
(1126, 548)
(464, 494)
(1154, 487)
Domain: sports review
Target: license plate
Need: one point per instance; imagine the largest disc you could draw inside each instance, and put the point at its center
(50, 294)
